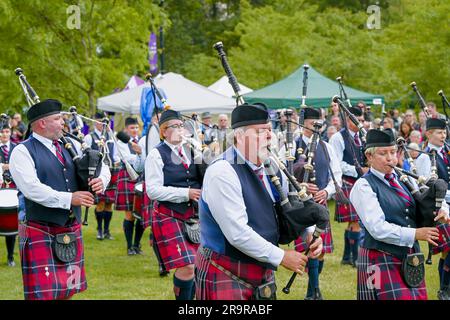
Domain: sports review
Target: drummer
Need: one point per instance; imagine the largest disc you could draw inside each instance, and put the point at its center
(103, 211)
(6, 147)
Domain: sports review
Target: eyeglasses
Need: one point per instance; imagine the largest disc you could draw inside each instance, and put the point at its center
(176, 126)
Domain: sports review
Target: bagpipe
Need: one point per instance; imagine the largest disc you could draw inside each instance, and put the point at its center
(88, 165)
(298, 211)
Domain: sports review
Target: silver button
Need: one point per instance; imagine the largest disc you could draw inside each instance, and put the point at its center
(64, 169)
(406, 210)
(68, 189)
(189, 204)
(67, 180)
(187, 171)
(409, 226)
(407, 217)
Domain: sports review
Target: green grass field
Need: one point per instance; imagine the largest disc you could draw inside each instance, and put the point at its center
(111, 274)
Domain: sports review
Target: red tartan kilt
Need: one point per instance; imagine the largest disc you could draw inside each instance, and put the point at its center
(125, 192)
(213, 284)
(114, 177)
(44, 276)
(327, 240)
(346, 212)
(175, 250)
(109, 196)
(382, 272)
(444, 239)
(146, 212)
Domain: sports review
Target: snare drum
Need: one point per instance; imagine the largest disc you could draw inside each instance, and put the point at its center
(9, 211)
(138, 197)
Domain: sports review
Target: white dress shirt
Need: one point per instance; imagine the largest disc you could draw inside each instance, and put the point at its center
(136, 160)
(154, 176)
(222, 191)
(337, 142)
(23, 172)
(424, 165)
(366, 204)
(334, 164)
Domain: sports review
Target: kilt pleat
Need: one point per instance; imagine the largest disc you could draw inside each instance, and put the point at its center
(346, 212)
(379, 278)
(444, 239)
(125, 192)
(175, 250)
(213, 284)
(44, 276)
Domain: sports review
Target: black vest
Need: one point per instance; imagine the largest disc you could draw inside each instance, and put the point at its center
(348, 154)
(175, 175)
(443, 170)
(94, 145)
(395, 210)
(53, 174)
(261, 212)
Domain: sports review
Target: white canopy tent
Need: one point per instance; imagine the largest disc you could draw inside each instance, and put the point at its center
(182, 94)
(223, 87)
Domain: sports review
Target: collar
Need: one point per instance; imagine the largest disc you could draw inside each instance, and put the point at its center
(305, 139)
(173, 146)
(252, 166)
(434, 147)
(45, 141)
(352, 133)
(8, 144)
(381, 175)
(98, 133)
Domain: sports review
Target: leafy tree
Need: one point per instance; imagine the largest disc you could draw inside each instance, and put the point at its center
(71, 64)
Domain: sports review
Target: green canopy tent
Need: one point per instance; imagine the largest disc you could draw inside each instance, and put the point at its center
(288, 91)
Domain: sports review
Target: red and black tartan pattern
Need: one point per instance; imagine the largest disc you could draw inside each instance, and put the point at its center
(125, 192)
(109, 196)
(213, 284)
(379, 278)
(12, 185)
(346, 212)
(300, 244)
(145, 216)
(444, 239)
(44, 276)
(175, 250)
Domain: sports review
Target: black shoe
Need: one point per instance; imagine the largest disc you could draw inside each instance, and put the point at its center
(443, 294)
(346, 262)
(163, 272)
(100, 235)
(138, 249)
(131, 252)
(11, 263)
(317, 294)
(108, 236)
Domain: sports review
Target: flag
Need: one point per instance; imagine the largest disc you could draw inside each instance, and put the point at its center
(153, 54)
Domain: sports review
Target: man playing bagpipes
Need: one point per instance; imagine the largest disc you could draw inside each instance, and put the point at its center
(322, 189)
(173, 182)
(239, 228)
(51, 245)
(390, 264)
(348, 148)
(436, 135)
(104, 201)
(125, 194)
(6, 147)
